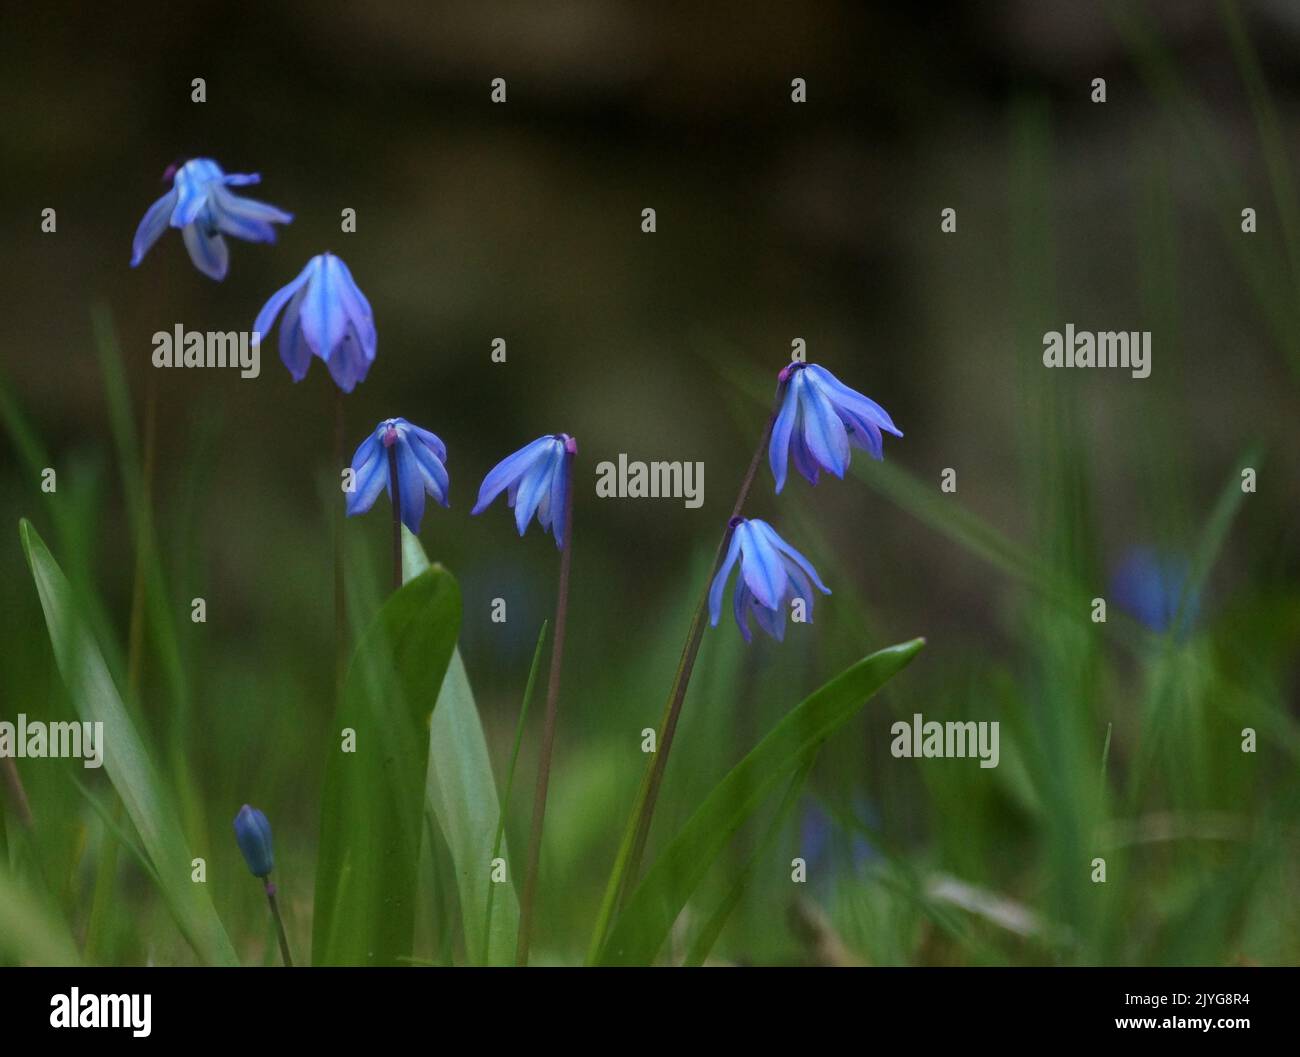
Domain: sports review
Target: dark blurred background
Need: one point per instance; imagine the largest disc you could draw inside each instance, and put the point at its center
(522, 221)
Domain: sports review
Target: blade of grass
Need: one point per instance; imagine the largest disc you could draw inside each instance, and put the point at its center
(514, 760)
(642, 927)
(126, 760)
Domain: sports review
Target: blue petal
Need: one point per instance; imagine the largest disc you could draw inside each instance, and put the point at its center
(823, 431)
(369, 473)
(152, 226)
(803, 459)
(192, 184)
(719, 584)
(533, 486)
(784, 548)
(266, 318)
(508, 471)
(761, 565)
(356, 306)
(323, 319)
(555, 503)
(742, 602)
(431, 439)
(778, 451)
(243, 218)
(771, 620)
(295, 353)
(348, 364)
(235, 179)
(432, 471)
(249, 208)
(840, 393)
(208, 252)
(863, 433)
(408, 476)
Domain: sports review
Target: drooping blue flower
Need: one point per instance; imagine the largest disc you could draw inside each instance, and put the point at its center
(253, 835)
(819, 420)
(1150, 587)
(772, 574)
(823, 839)
(536, 481)
(421, 470)
(202, 206)
(329, 316)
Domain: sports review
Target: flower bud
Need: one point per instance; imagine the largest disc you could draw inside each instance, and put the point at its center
(253, 834)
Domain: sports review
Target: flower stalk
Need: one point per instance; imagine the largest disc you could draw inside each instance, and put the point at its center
(279, 925)
(548, 726)
(628, 862)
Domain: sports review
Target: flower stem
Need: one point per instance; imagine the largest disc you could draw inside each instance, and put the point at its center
(279, 925)
(628, 862)
(548, 726)
(340, 600)
(397, 517)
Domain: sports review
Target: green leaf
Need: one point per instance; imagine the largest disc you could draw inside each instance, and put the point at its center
(462, 796)
(31, 933)
(372, 808)
(128, 764)
(649, 914)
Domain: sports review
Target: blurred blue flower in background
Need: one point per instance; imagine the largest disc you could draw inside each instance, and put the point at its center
(1150, 585)
(253, 835)
(820, 418)
(823, 841)
(202, 206)
(421, 469)
(536, 481)
(772, 574)
(327, 315)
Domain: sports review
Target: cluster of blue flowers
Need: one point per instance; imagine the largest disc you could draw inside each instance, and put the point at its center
(818, 421)
(323, 313)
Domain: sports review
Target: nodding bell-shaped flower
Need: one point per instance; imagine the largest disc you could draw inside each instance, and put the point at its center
(820, 418)
(772, 574)
(536, 481)
(253, 835)
(1155, 588)
(202, 205)
(421, 470)
(328, 316)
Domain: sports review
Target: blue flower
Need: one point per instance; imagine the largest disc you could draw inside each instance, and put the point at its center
(1150, 587)
(421, 470)
(253, 835)
(202, 206)
(536, 481)
(327, 315)
(820, 418)
(772, 574)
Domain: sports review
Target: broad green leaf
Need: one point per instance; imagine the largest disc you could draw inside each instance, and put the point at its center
(649, 914)
(373, 803)
(462, 796)
(126, 761)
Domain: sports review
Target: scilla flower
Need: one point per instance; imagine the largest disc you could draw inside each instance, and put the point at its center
(820, 418)
(536, 481)
(772, 574)
(202, 205)
(253, 835)
(420, 459)
(328, 316)
(1152, 586)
